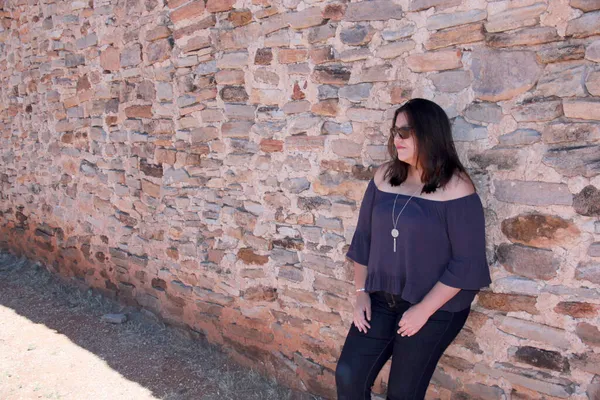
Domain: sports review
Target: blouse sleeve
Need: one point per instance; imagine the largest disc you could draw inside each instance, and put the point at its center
(361, 241)
(468, 268)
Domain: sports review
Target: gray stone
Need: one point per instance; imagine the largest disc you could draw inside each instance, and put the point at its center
(321, 33)
(334, 224)
(533, 193)
(88, 168)
(463, 131)
(589, 362)
(540, 358)
(533, 331)
(364, 115)
(594, 250)
(238, 111)
(131, 56)
(405, 30)
(284, 256)
(236, 128)
(334, 128)
(114, 318)
(395, 49)
(377, 10)
(529, 262)
(523, 37)
(504, 158)
(503, 75)
(346, 148)
(296, 185)
(233, 60)
(575, 293)
(206, 68)
(355, 54)
(313, 203)
(587, 202)
(484, 392)
(592, 51)
(452, 81)
(520, 137)
(73, 60)
(588, 333)
(574, 160)
(585, 5)
(562, 79)
(441, 21)
(516, 284)
(87, 41)
(377, 73)
(328, 92)
(561, 52)
(291, 273)
(588, 271)
(537, 110)
(356, 93)
(586, 25)
(175, 176)
(514, 18)
(357, 35)
(560, 132)
(535, 380)
(417, 5)
(444, 380)
(484, 112)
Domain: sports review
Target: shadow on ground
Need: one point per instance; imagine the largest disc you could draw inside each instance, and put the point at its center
(139, 359)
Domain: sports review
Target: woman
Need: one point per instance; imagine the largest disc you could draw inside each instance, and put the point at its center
(419, 259)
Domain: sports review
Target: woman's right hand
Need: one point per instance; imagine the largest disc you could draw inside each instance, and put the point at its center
(362, 311)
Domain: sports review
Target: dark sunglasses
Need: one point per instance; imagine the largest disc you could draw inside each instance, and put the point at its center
(403, 133)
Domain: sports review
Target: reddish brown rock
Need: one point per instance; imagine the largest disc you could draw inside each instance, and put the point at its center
(271, 146)
(326, 107)
(540, 230)
(215, 6)
(289, 56)
(508, 302)
(588, 333)
(577, 309)
(528, 261)
(139, 112)
(189, 11)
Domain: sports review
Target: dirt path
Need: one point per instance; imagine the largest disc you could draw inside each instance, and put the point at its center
(54, 345)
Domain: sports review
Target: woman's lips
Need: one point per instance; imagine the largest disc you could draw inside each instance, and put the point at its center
(400, 148)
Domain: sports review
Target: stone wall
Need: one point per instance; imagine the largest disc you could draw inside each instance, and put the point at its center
(207, 161)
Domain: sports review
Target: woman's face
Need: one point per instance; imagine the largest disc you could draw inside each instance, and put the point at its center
(404, 140)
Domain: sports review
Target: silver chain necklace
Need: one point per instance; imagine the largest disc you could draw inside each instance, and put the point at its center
(395, 232)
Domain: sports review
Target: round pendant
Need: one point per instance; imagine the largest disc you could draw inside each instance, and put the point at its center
(395, 233)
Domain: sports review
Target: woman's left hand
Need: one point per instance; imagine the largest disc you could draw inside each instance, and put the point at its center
(413, 320)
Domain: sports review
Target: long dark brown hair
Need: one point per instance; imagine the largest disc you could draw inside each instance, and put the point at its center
(436, 153)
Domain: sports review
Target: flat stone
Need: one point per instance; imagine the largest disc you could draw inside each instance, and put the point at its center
(539, 230)
(215, 6)
(328, 92)
(189, 11)
(480, 391)
(236, 128)
(559, 132)
(322, 55)
(237, 111)
(589, 362)
(306, 18)
(296, 185)
(587, 202)
(109, 59)
(480, 112)
(585, 5)
(533, 193)
(532, 330)
(540, 358)
(335, 11)
(588, 271)
(334, 128)
(588, 333)
(346, 148)
(265, 96)
(196, 43)
(586, 25)
(240, 17)
(529, 262)
(265, 76)
(131, 56)
(435, 61)
(395, 49)
(377, 10)
(508, 302)
(333, 75)
(329, 107)
(574, 161)
(114, 318)
(355, 55)
(304, 143)
(537, 110)
(296, 107)
(563, 80)
(561, 53)
(364, 115)
(592, 83)
(514, 18)
(206, 68)
(417, 5)
(577, 309)
(404, 30)
(234, 94)
(520, 137)
(321, 33)
(503, 75)
(504, 158)
(357, 35)
(463, 131)
(452, 81)
(441, 21)
(456, 35)
(592, 51)
(523, 37)
(230, 77)
(518, 285)
(377, 73)
(263, 56)
(236, 60)
(290, 56)
(356, 93)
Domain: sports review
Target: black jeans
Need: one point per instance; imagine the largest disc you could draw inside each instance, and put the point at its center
(414, 358)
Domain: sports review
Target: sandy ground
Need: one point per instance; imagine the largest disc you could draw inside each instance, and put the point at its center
(54, 345)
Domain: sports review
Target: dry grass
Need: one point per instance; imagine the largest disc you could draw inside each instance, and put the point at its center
(205, 371)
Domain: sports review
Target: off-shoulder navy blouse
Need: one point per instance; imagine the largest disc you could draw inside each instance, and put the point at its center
(438, 241)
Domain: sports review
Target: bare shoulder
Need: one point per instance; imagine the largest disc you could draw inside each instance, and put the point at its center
(459, 186)
(379, 176)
